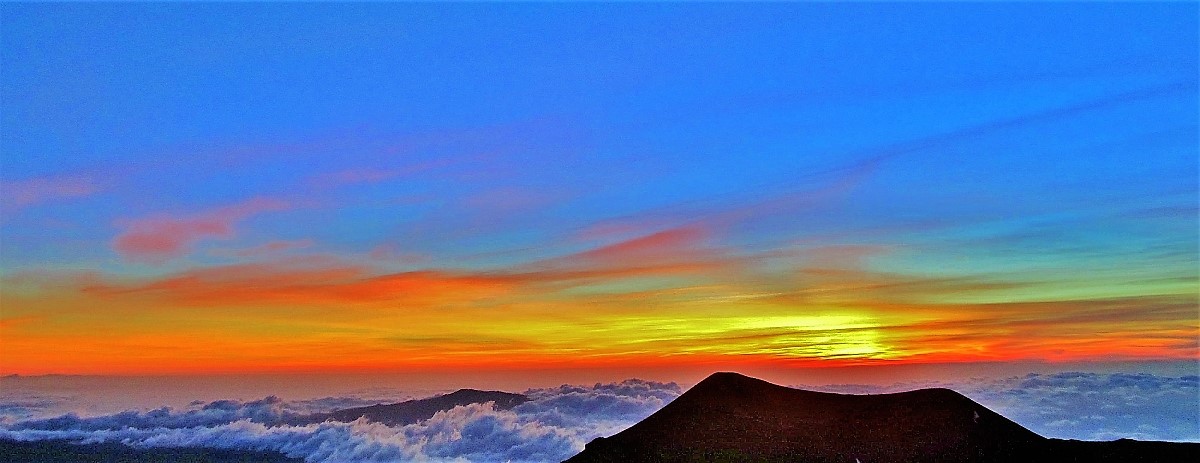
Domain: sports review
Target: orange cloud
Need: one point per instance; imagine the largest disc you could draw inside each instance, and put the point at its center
(273, 318)
(703, 304)
(156, 239)
(243, 285)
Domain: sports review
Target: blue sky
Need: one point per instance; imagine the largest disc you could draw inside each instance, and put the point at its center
(960, 153)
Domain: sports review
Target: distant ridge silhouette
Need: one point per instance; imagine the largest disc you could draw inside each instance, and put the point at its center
(413, 411)
(729, 417)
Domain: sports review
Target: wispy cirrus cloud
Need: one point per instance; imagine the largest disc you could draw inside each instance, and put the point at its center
(159, 238)
(273, 284)
(267, 249)
(376, 174)
(663, 252)
(23, 193)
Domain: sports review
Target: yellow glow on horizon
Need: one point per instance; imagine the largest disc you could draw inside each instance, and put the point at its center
(197, 324)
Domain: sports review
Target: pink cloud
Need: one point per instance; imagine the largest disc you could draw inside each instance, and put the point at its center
(668, 244)
(623, 228)
(157, 239)
(391, 253)
(369, 176)
(32, 191)
(509, 199)
(274, 247)
(269, 248)
(353, 176)
(675, 251)
(376, 175)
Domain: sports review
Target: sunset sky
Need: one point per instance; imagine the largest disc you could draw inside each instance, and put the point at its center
(212, 188)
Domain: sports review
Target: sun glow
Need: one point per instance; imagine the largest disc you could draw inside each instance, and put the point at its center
(820, 337)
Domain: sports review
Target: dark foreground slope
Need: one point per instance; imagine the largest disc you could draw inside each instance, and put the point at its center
(1121, 451)
(58, 451)
(413, 411)
(730, 417)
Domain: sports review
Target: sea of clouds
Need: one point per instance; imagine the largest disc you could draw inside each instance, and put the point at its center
(1084, 406)
(557, 422)
(552, 426)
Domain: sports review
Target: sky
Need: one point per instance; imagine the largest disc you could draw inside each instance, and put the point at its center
(235, 189)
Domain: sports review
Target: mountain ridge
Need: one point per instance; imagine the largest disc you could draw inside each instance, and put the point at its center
(732, 417)
(416, 410)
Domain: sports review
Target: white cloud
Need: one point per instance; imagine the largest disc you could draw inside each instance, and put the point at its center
(554, 425)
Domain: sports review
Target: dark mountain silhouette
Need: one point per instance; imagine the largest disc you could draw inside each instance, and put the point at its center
(734, 418)
(413, 411)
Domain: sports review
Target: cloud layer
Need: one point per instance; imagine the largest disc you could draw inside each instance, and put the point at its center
(1085, 406)
(554, 425)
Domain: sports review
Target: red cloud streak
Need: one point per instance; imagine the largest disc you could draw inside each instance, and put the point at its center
(24, 193)
(156, 239)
